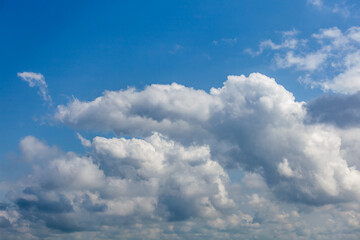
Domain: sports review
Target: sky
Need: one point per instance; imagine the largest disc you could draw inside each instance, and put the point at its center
(180, 119)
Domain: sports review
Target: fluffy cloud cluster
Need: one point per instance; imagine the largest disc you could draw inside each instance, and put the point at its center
(293, 174)
(120, 182)
(251, 122)
(335, 59)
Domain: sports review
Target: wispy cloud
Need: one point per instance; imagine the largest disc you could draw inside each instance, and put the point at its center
(332, 58)
(228, 41)
(37, 80)
(85, 142)
(177, 48)
(309, 62)
(316, 3)
(340, 8)
(288, 41)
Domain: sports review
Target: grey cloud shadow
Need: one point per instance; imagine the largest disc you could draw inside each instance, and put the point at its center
(340, 110)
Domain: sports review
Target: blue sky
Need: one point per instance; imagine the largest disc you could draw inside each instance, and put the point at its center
(84, 48)
(58, 57)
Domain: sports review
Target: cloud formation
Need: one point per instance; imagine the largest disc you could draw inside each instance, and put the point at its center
(332, 66)
(36, 80)
(288, 41)
(341, 8)
(317, 3)
(155, 188)
(122, 181)
(242, 160)
(237, 122)
(229, 41)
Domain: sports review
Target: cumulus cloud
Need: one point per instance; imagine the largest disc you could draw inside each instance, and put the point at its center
(238, 122)
(241, 160)
(36, 80)
(156, 188)
(122, 181)
(34, 150)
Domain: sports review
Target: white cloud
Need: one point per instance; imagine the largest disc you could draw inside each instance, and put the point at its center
(308, 62)
(176, 49)
(317, 3)
(85, 142)
(344, 52)
(131, 188)
(237, 121)
(334, 35)
(288, 41)
(33, 150)
(36, 80)
(348, 81)
(229, 41)
(122, 181)
(339, 7)
(294, 179)
(284, 169)
(354, 33)
(290, 33)
(332, 66)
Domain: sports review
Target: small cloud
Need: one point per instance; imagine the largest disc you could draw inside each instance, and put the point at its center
(338, 8)
(36, 80)
(85, 142)
(342, 10)
(288, 42)
(309, 62)
(316, 3)
(290, 33)
(229, 41)
(207, 56)
(284, 169)
(176, 49)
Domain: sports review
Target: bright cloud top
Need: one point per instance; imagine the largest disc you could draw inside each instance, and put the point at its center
(36, 80)
(251, 122)
(122, 181)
